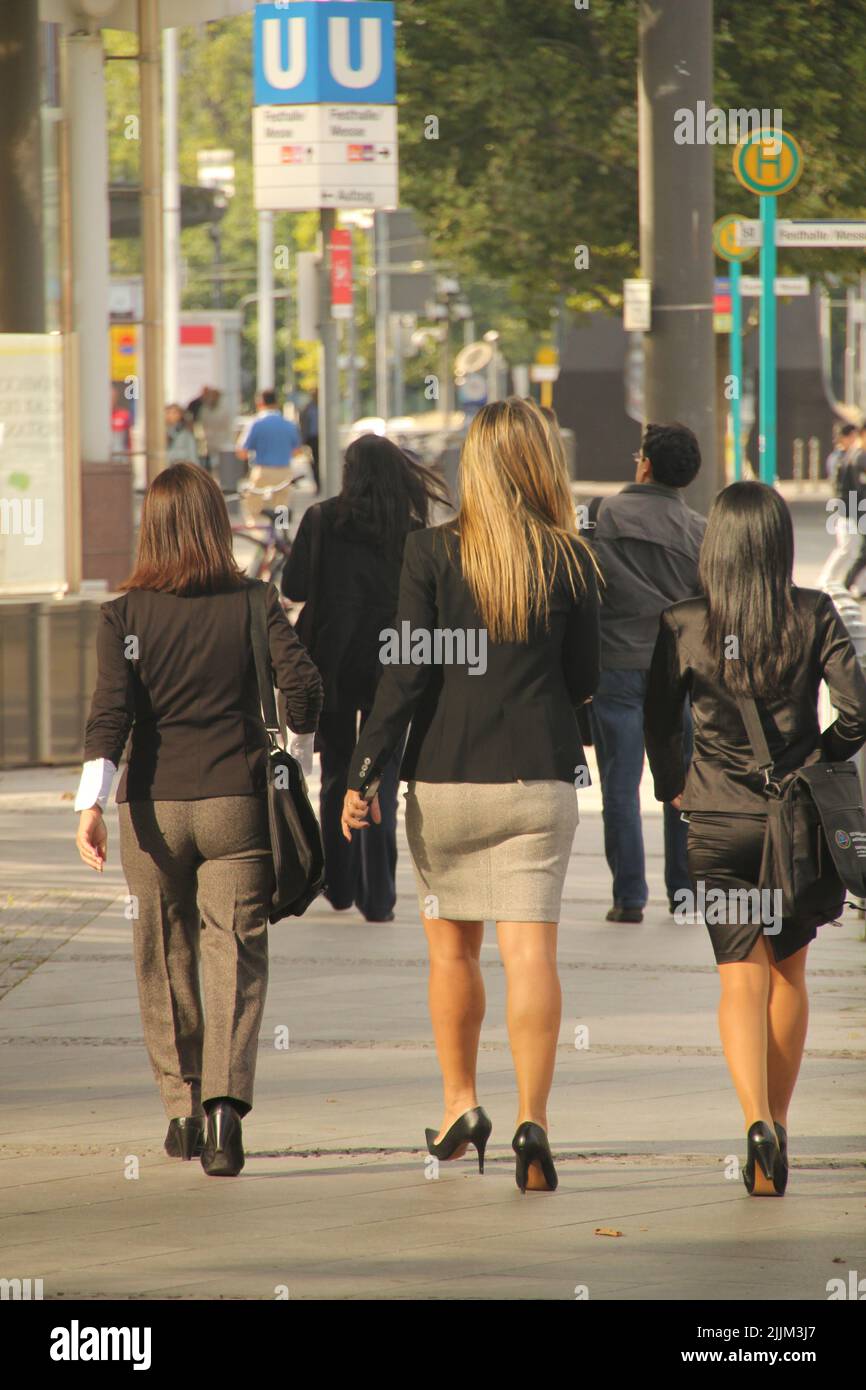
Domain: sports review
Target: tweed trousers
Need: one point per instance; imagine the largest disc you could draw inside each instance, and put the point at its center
(200, 874)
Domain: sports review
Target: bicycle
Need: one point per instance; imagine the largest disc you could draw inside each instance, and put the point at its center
(262, 551)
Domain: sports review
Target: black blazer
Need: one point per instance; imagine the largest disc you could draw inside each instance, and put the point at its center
(356, 590)
(722, 776)
(515, 721)
(179, 672)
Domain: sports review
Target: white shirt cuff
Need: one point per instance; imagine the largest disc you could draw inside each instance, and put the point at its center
(94, 788)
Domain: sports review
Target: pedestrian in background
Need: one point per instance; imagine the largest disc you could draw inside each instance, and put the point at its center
(345, 565)
(646, 540)
(843, 523)
(176, 668)
(180, 445)
(853, 480)
(214, 423)
(492, 759)
(847, 443)
(788, 641)
(309, 421)
(267, 446)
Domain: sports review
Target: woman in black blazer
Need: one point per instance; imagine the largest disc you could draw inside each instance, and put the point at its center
(494, 648)
(176, 669)
(755, 634)
(345, 564)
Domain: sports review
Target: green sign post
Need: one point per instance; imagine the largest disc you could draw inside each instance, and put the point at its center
(728, 247)
(768, 162)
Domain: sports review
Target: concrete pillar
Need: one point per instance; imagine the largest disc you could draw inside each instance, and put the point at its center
(91, 272)
(171, 213)
(22, 274)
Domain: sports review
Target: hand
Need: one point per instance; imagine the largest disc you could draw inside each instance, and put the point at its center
(92, 839)
(676, 801)
(301, 747)
(355, 811)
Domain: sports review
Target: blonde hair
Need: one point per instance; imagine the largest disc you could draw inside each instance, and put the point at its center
(516, 516)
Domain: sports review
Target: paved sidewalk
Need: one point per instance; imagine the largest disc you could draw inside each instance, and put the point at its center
(335, 1201)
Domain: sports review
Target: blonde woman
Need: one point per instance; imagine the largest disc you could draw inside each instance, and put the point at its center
(495, 647)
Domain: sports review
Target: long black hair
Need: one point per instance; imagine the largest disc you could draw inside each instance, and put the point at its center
(753, 626)
(386, 492)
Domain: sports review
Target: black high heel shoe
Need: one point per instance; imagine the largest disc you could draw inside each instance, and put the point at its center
(223, 1153)
(762, 1155)
(472, 1128)
(185, 1137)
(780, 1168)
(531, 1146)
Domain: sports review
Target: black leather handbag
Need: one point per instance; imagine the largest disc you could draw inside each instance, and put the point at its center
(815, 842)
(296, 840)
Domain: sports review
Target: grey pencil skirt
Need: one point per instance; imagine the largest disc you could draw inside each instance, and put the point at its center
(491, 851)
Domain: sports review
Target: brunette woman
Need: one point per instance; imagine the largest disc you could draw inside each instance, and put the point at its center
(752, 634)
(176, 668)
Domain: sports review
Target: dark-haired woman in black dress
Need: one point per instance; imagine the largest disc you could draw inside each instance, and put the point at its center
(752, 634)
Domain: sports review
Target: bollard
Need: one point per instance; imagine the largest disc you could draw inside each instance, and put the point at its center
(814, 458)
(799, 452)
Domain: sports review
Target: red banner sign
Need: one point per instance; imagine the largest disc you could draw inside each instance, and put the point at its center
(341, 273)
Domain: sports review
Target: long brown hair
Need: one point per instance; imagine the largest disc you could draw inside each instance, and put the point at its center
(516, 515)
(185, 540)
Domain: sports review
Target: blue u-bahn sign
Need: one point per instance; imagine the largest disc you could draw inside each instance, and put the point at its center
(333, 52)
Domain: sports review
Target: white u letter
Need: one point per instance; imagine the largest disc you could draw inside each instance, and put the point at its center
(275, 74)
(371, 52)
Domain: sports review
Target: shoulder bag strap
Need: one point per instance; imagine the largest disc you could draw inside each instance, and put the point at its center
(256, 600)
(757, 737)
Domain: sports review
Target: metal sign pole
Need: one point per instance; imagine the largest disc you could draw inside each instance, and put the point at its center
(767, 343)
(329, 383)
(736, 346)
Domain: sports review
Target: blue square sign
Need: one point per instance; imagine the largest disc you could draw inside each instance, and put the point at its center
(334, 52)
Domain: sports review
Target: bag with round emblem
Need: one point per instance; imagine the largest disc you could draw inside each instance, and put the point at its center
(815, 845)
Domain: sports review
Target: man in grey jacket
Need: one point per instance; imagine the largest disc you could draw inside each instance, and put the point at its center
(646, 540)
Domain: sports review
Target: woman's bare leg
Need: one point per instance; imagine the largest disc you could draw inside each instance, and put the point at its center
(457, 1001)
(787, 1021)
(534, 1011)
(743, 1029)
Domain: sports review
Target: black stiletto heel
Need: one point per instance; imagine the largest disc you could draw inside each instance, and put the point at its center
(762, 1155)
(223, 1152)
(472, 1128)
(780, 1169)
(531, 1146)
(185, 1137)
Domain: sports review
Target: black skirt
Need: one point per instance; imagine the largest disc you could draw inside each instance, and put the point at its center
(724, 853)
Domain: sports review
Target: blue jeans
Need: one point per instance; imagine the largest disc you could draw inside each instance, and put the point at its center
(616, 713)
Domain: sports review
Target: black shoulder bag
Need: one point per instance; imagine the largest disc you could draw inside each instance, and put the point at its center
(815, 844)
(296, 840)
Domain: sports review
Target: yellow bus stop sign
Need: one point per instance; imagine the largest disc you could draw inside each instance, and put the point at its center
(725, 242)
(768, 162)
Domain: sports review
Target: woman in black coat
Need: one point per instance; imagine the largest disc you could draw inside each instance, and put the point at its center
(496, 646)
(176, 670)
(753, 634)
(345, 565)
